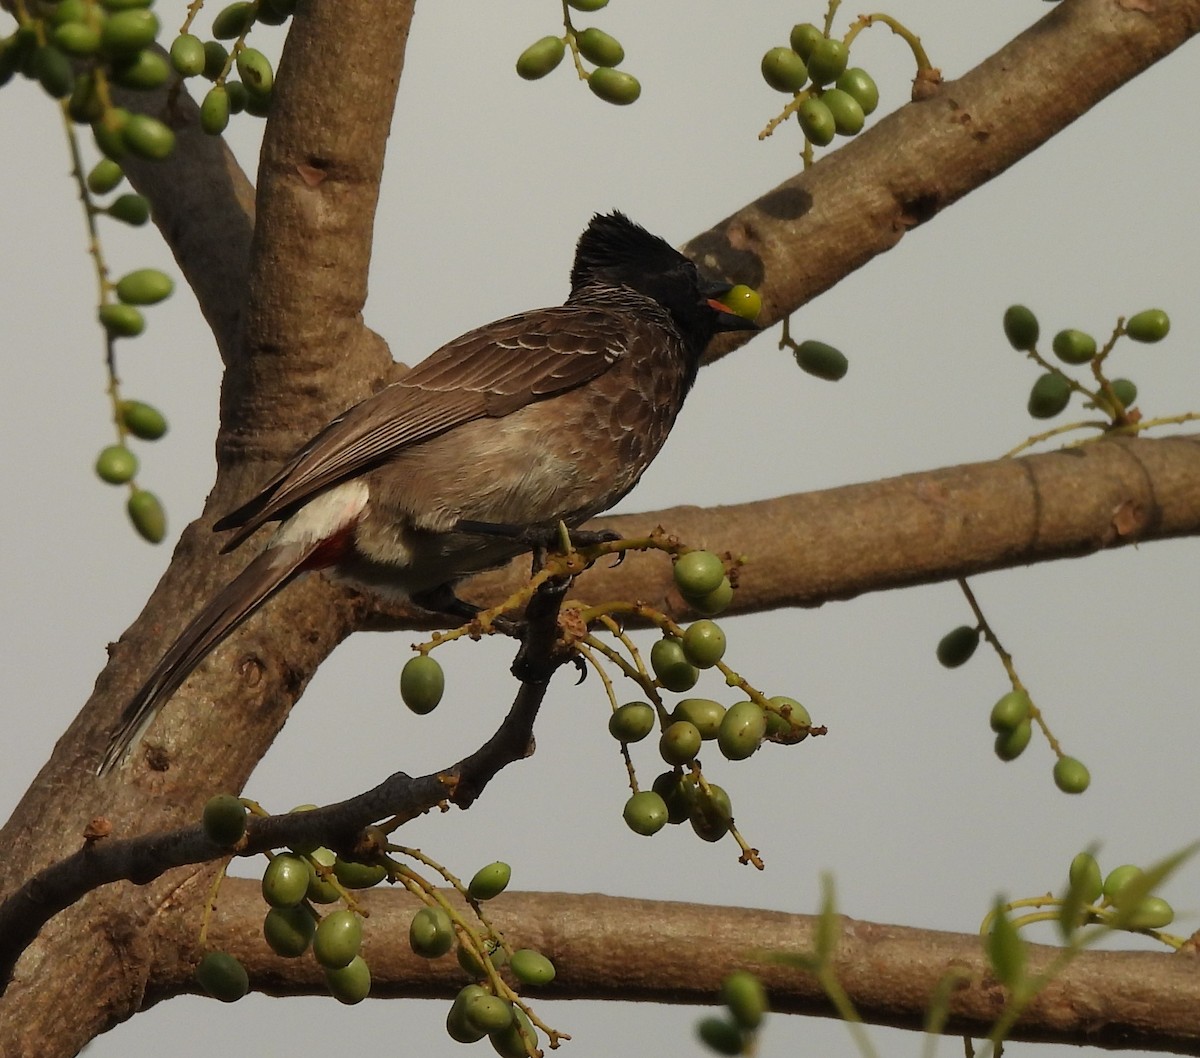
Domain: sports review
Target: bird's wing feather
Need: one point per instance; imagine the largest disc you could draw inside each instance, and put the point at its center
(488, 372)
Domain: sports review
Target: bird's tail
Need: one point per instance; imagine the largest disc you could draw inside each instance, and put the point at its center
(265, 575)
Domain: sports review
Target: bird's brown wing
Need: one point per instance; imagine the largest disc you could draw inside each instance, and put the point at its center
(489, 372)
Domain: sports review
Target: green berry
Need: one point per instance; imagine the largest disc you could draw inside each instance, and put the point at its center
(742, 730)
(716, 601)
(216, 55)
(598, 47)
(148, 137)
(53, 71)
(705, 714)
(1011, 744)
(614, 86)
(679, 743)
(1071, 775)
(827, 60)
(645, 813)
(233, 20)
(720, 1035)
(116, 465)
(77, 38)
(187, 55)
(792, 719)
(121, 321)
(488, 1013)
(803, 38)
(1010, 711)
(222, 977)
(817, 358)
(214, 110)
(1118, 878)
(676, 793)
(531, 967)
(147, 515)
(956, 646)
(144, 71)
(68, 11)
(1084, 877)
(351, 983)
(458, 1027)
(510, 1042)
(1125, 391)
(587, 5)
(848, 115)
(238, 96)
(224, 819)
(632, 721)
(431, 933)
(143, 420)
(289, 931)
(146, 286)
(490, 881)
(1021, 327)
(1149, 325)
(704, 644)
(540, 58)
(422, 682)
(354, 875)
(125, 33)
(1152, 913)
(1050, 395)
(711, 814)
(671, 665)
(321, 890)
(104, 176)
(743, 993)
(338, 938)
(784, 70)
(285, 881)
(1074, 347)
(254, 68)
(698, 573)
(858, 83)
(743, 301)
(130, 209)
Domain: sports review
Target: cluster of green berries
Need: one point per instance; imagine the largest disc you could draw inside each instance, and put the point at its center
(123, 318)
(1119, 899)
(1051, 392)
(293, 884)
(77, 49)
(192, 56)
(745, 1002)
(738, 730)
(601, 49)
(1011, 717)
(832, 97)
(298, 880)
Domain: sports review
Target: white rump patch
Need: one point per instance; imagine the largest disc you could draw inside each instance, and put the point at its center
(324, 515)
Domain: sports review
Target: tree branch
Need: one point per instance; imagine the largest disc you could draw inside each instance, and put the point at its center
(663, 952)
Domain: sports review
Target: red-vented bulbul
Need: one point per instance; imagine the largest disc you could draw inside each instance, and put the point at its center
(547, 416)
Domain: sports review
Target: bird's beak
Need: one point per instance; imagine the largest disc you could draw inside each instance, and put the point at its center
(730, 321)
(726, 320)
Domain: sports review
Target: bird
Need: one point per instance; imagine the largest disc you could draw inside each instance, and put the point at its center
(546, 417)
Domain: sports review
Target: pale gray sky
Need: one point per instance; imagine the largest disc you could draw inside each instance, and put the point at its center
(490, 181)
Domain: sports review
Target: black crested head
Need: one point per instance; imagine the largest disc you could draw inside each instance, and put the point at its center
(614, 252)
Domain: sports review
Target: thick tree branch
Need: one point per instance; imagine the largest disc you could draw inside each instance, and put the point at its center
(657, 951)
(810, 548)
(810, 232)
